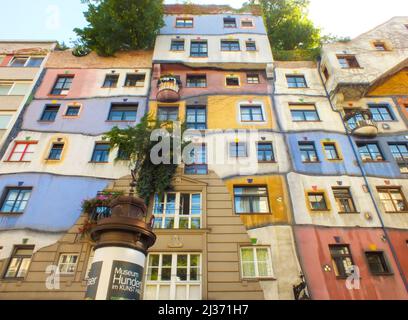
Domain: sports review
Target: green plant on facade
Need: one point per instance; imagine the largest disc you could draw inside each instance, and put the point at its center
(135, 142)
(115, 25)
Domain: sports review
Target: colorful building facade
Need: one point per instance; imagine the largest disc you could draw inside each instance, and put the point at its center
(301, 188)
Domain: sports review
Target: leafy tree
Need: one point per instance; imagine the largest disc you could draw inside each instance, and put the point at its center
(287, 24)
(115, 25)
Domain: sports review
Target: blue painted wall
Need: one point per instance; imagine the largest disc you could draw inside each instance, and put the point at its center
(55, 202)
(212, 25)
(323, 167)
(92, 119)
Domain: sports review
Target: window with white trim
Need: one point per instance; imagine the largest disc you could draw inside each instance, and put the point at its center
(173, 276)
(256, 262)
(67, 263)
(175, 210)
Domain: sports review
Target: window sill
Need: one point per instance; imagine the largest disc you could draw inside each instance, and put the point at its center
(254, 213)
(9, 161)
(120, 120)
(103, 87)
(11, 213)
(375, 161)
(187, 87)
(266, 162)
(45, 121)
(259, 279)
(346, 213)
(396, 212)
(133, 86)
(311, 162)
(177, 50)
(320, 211)
(198, 56)
(386, 274)
(57, 95)
(70, 117)
(306, 121)
(98, 162)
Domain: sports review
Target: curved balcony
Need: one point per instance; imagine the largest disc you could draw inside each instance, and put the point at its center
(361, 123)
(168, 89)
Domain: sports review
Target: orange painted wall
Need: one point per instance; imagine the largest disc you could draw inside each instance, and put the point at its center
(395, 85)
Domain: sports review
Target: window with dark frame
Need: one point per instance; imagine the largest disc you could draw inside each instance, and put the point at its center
(317, 201)
(123, 112)
(399, 151)
(199, 48)
(370, 151)
(62, 85)
(380, 46)
(348, 61)
(56, 151)
(135, 80)
(167, 113)
(252, 78)
(50, 113)
(392, 199)
(177, 45)
(230, 22)
(344, 200)
(251, 200)
(326, 73)
(67, 263)
(196, 81)
(250, 45)
(295, 81)
(101, 153)
(19, 262)
(232, 81)
(342, 259)
(303, 112)
(230, 45)
(308, 153)
(377, 263)
(247, 23)
(18, 61)
(238, 150)
(15, 199)
(184, 22)
(196, 117)
(198, 155)
(265, 152)
(251, 113)
(381, 113)
(122, 155)
(111, 81)
(72, 111)
(330, 150)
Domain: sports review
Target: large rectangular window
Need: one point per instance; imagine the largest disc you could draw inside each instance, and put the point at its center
(251, 200)
(265, 152)
(344, 200)
(173, 276)
(303, 112)
(167, 113)
(62, 85)
(19, 262)
(230, 45)
(101, 152)
(196, 81)
(251, 113)
(175, 210)
(198, 156)
(308, 152)
(317, 201)
(199, 48)
(123, 112)
(256, 262)
(341, 259)
(370, 151)
(238, 150)
(400, 154)
(392, 199)
(15, 199)
(50, 113)
(296, 81)
(196, 117)
(22, 151)
(381, 113)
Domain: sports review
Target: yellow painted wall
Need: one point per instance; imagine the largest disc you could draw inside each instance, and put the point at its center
(223, 111)
(278, 200)
(395, 85)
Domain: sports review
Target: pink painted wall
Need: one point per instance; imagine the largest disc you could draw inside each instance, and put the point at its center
(399, 239)
(313, 247)
(215, 81)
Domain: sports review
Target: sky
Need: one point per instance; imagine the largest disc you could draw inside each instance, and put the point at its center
(56, 19)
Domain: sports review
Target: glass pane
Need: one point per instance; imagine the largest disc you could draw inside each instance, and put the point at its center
(248, 269)
(247, 254)
(181, 274)
(183, 223)
(182, 260)
(166, 274)
(166, 260)
(194, 260)
(12, 269)
(154, 260)
(24, 267)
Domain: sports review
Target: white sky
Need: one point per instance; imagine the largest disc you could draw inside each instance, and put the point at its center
(341, 17)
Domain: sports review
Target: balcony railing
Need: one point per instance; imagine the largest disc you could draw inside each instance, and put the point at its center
(168, 89)
(361, 123)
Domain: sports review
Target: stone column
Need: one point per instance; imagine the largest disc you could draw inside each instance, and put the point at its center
(122, 240)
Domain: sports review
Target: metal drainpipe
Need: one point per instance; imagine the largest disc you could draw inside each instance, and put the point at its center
(357, 156)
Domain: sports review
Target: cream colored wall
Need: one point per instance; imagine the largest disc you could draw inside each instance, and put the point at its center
(75, 161)
(285, 265)
(262, 56)
(299, 185)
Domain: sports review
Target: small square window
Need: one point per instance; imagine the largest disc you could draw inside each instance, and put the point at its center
(256, 262)
(330, 150)
(392, 199)
(62, 85)
(380, 46)
(308, 152)
(50, 113)
(72, 111)
(67, 263)
(232, 81)
(251, 113)
(296, 81)
(56, 151)
(377, 263)
(135, 80)
(252, 78)
(265, 152)
(381, 112)
(123, 155)
(15, 199)
(167, 113)
(111, 81)
(177, 45)
(348, 61)
(230, 23)
(317, 201)
(19, 262)
(18, 62)
(250, 45)
(199, 48)
(400, 154)
(184, 22)
(247, 23)
(238, 150)
(101, 153)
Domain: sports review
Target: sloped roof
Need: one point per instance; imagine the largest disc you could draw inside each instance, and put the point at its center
(389, 73)
(196, 9)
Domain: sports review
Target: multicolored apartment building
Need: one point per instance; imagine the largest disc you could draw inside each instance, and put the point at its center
(300, 191)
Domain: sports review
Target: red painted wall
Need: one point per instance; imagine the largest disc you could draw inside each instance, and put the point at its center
(399, 239)
(313, 246)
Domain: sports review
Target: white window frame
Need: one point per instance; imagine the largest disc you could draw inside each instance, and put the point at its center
(177, 210)
(60, 263)
(27, 62)
(173, 282)
(253, 103)
(257, 276)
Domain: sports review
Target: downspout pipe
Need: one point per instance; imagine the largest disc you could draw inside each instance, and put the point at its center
(370, 191)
